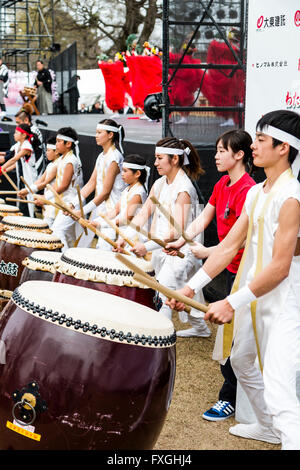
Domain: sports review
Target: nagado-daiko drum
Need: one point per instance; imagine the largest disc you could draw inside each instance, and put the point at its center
(6, 209)
(82, 370)
(101, 270)
(40, 266)
(12, 222)
(15, 246)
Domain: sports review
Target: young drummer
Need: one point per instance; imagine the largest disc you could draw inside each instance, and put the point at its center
(68, 177)
(106, 180)
(135, 176)
(177, 161)
(262, 313)
(234, 156)
(48, 177)
(23, 160)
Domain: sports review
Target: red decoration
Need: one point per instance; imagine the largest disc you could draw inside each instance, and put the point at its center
(116, 84)
(146, 77)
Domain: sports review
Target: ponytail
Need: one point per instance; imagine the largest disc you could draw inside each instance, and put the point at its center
(193, 168)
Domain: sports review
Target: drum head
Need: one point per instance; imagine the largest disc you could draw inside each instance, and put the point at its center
(12, 222)
(90, 264)
(95, 313)
(42, 261)
(32, 239)
(6, 209)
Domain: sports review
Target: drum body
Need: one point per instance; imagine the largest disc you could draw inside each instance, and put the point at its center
(15, 246)
(101, 270)
(6, 210)
(5, 296)
(12, 222)
(40, 266)
(99, 388)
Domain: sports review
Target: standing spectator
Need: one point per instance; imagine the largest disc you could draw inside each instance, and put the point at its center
(43, 82)
(3, 87)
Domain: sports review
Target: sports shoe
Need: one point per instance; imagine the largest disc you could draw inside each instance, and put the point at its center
(255, 431)
(201, 332)
(220, 411)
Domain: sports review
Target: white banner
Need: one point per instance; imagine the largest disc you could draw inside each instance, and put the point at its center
(273, 59)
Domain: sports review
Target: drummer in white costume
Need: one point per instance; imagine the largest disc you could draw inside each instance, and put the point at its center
(106, 180)
(262, 314)
(135, 174)
(24, 158)
(176, 161)
(48, 177)
(68, 177)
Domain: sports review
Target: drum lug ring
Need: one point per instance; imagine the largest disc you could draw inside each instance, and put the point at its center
(29, 401)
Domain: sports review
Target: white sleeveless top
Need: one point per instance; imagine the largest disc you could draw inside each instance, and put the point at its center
(77, 179)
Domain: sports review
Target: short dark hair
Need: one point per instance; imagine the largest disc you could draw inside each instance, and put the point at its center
(287, 121)
(69, 132)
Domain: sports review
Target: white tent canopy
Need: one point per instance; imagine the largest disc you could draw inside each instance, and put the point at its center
(91, 86)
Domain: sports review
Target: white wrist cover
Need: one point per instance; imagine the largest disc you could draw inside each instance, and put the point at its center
(89, 207)
(241, 297)
(150, 245)
(199, 280)
(34, 188)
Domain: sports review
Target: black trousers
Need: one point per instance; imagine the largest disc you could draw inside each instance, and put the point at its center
(228, 389)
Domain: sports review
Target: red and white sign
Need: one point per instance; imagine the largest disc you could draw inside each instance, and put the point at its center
(273, 59)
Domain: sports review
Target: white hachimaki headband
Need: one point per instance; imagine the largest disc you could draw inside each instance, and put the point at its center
(51, 147)
(171, 151)
(70, 139)
(135, 166)
(106, 127)
(289, 139)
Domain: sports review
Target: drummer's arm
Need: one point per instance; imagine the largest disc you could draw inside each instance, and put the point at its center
(66, 180)
(8, 166)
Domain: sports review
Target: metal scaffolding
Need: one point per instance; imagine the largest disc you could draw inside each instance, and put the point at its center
(24, 32)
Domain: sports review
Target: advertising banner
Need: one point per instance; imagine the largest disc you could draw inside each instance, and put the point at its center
(273, 59)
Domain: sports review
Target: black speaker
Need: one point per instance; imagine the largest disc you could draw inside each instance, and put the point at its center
(153, 106)
(4, 141)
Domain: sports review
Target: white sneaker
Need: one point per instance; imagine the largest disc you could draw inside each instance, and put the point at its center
(255, 431)
(183, 120)
(203, 332)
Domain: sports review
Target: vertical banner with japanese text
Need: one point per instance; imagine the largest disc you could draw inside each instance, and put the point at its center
(273, 59)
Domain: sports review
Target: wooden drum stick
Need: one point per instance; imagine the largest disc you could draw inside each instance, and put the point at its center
(81, 207)
(10, 181)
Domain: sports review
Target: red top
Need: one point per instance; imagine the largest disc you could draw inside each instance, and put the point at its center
(229, 201)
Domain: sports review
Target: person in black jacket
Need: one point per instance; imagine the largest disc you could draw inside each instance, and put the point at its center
(43, 83)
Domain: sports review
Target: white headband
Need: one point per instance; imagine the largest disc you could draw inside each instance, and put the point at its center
(135, 166)
(171, 151)
(51, 147)
(69, 139)
(105, 127)
(289, 139)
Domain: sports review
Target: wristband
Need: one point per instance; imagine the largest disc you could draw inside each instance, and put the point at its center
(151, 245)
(34, 188)
(199, 280)
(242, 297)
(89, 207)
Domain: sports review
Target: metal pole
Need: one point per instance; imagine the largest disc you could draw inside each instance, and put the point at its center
(165, 69)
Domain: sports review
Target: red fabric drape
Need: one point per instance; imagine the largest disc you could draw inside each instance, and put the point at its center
(116, 84)
(146, 77)
(185, 82)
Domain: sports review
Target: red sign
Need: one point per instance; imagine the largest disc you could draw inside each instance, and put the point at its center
(260, 21)
(297, 18)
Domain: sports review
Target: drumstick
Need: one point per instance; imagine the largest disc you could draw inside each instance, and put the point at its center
(138, 271)
(64, 207)
(9, 192)
(10, 180)
(150, 237)
(171, 219)
(19, 200)
(26, 184)
(81, 207)
(169, 293)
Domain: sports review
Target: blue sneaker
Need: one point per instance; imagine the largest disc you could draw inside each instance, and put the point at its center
(221, 410)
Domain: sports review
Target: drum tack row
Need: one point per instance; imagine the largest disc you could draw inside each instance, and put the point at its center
(86, 361)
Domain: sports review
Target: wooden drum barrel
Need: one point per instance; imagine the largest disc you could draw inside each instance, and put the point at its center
(101, 270)
(15, 246)
(82, 370)
(40, 266)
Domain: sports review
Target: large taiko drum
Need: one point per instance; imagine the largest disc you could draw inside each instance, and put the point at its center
(40, 265)
(6, 209)
(101, 270)
(15, 246)
(12, 222)
(82, 370)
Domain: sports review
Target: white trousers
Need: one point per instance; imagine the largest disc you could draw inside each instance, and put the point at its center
(282, 373)
(64, 228)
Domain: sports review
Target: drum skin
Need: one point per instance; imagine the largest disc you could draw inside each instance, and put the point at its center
(13, 254)
(136, 294)
(35, 275)
(100, 394)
